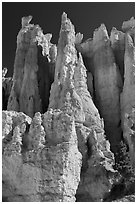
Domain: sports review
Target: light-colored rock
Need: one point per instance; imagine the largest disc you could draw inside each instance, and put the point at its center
(128, 95)
(97, 170)
(107, 84)
(43, 171)
(24, 94)
(129, 27)
(63, 95)
(64, 153)
(80, 83)
(4, 72)
(117, 39)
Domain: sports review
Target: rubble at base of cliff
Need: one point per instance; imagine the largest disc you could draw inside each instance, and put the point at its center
(68, 119)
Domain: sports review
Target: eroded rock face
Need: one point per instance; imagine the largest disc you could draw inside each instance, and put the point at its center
(24, 94)
(129, 27)
(33, 70)
(128, 96)
(69, 92)
(63, 94)
(107, 83)
(34, 167)
(117, 39)
(63, 153)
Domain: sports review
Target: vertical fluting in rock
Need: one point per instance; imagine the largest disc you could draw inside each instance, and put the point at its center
(63, 94)
(69, 93)
(107, 84)
(24, 94)
(117, 39)
(97, 158)
(64, 153)
(128, 95)
(80, 83)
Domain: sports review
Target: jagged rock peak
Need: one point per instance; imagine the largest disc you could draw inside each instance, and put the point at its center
(66, 23)
(128, 25)
(117, 36)
(100, 34)
(80, 73)
(4, 72)
(26, 20)
(78, 38)
(44, 41)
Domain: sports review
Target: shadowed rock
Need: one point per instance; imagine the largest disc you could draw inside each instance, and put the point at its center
(128, 96)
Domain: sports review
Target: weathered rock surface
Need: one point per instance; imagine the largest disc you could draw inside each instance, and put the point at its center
(63, 94)
(129, 27)
(107, 84)
(69, 92)
(63, 153)
(24, 94)
(33, 70)
(117, 39)
(128, 96)
(39, 163)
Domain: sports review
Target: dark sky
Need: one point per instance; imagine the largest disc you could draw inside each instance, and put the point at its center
(85, 17)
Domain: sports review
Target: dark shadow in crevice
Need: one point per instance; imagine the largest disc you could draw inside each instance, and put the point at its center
(25, 139)
(45, 76)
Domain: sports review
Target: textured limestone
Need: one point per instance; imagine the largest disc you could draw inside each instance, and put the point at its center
(117, 39)
(107, 83)
(80, 83)
(34, 168)
(128, 95)
(100, 62)
(63, 95)
(96, 175)
(24, 94)
(69, 92)
(33, 70)
(64, 153)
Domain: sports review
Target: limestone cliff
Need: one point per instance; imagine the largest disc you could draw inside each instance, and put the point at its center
(24, 94)
(107, 85)
(68, 107)
(33, 72)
